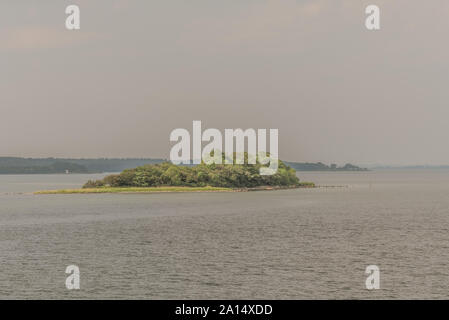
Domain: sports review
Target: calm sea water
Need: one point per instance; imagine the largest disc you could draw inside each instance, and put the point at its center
(289, 244)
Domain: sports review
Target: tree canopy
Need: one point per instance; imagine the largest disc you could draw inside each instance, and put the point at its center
(215, 175)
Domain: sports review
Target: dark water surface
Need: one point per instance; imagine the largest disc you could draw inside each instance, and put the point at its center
(288, 244)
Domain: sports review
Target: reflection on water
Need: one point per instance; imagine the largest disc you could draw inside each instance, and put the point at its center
(307, 243)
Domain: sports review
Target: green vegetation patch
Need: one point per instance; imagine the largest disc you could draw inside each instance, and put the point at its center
(306, 185)
(202, 175)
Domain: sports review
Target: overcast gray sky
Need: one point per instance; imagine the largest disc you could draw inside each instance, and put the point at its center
(139, 69)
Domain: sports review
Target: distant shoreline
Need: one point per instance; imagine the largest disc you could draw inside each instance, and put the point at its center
(18, 165)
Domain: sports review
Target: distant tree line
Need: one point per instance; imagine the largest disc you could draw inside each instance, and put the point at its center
(319, 166)
(16, 165)
(55, 167)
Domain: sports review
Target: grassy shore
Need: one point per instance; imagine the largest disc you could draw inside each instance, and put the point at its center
(134, 190)
(166, 189)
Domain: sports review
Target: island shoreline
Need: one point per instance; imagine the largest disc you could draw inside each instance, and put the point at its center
(149, 190)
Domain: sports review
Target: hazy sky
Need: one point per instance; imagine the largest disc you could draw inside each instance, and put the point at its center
(139, 69)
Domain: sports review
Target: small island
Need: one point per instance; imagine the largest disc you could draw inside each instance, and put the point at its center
(167, 177)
